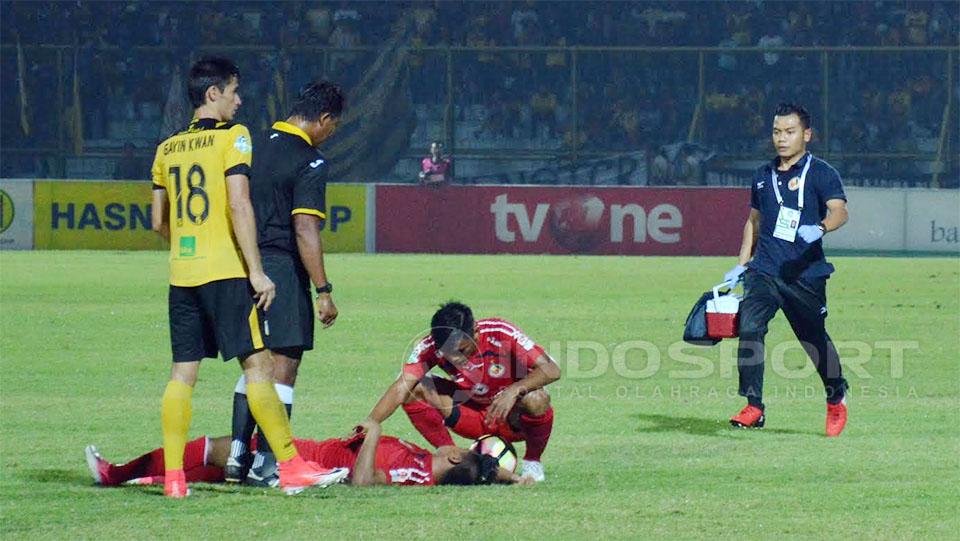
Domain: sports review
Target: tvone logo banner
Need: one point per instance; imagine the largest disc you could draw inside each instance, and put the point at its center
(560, 220)
(581, 222)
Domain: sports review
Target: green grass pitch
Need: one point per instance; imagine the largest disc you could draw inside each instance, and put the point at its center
(639, 450)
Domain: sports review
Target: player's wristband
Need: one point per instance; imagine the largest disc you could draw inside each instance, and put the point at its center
(822, 227)
(325, 288)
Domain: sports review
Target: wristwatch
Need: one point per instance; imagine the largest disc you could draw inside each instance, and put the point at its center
(325, 288)
(822, 227)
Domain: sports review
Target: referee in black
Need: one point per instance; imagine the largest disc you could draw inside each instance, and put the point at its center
(795, 199)
(288, 189)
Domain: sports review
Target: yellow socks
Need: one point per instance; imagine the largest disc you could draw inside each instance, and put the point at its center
(272, 418)
(175, 414)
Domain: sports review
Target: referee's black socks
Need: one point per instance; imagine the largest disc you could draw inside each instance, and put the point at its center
(243, 423)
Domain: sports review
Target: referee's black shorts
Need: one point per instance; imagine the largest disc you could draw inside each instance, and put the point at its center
(289, 321)
(216, 316)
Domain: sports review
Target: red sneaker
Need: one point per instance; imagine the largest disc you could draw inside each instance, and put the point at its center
(749, 417)
(175, 484)
(297, 474)
(836, 418)
(99, 468)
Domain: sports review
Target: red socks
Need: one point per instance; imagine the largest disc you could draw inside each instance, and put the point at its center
(151, 464)
(467, 422)
(429, 422)
(537, 431)
(205, 474)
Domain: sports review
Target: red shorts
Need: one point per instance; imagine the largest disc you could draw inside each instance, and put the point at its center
(331, 453)
(472, 424)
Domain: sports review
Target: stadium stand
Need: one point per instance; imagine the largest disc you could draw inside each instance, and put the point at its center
(507, 85)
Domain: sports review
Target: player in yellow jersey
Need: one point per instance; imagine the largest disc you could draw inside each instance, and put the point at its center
(201, 203)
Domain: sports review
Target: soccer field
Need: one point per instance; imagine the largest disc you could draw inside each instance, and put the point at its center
(641, 447)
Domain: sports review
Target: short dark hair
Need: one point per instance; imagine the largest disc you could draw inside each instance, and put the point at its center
(316, 99)
(787, 108)
(474, 469)
(206, 72)
(452, 317)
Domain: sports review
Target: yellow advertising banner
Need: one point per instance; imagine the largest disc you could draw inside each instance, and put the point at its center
(115, 215)
(345, 227)
(81, 215)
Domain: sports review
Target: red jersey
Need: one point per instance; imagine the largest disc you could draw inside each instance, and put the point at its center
(403, 463)
(504, 355)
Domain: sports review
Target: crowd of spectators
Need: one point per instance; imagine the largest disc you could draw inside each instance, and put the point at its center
(200, 23)
(492, 23)
(508, 98)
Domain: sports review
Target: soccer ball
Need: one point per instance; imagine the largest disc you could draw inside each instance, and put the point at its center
(499, 448)
(575, 223)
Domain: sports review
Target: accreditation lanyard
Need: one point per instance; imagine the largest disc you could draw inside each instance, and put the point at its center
(802, 181)
(788, 219)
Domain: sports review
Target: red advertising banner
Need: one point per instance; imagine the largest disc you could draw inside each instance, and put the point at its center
(560, 220)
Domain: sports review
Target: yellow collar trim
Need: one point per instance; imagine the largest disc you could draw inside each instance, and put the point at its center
(286, 127)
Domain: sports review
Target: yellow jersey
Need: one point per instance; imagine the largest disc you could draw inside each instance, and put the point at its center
(192, 167)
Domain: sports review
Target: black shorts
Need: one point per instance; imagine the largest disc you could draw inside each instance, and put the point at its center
(217, 316)
(289, 321)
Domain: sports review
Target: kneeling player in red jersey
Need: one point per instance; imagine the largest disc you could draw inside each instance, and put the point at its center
(497, 387)
(372, 459)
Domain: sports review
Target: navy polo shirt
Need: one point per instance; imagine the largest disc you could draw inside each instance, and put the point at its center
(797, 259)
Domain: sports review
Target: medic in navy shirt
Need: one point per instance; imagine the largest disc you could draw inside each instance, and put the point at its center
(795, 199)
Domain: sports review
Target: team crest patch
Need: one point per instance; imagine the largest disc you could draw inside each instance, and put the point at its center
(496, 370)
(793, 184)
(242, 144)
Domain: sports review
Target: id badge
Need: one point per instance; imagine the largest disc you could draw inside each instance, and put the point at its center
(788, 221)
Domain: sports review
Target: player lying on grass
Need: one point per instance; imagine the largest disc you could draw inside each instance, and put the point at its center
(497, 387)
(372, 459)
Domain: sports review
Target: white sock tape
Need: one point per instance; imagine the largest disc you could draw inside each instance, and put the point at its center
(241, 385)
(285, 392)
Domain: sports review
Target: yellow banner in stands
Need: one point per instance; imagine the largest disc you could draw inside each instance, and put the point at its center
(115, 215)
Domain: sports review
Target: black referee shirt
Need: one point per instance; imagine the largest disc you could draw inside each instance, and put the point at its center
(777, 257)
(289, 176)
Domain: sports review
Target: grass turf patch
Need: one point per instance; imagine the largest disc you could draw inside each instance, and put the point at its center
(641, 446)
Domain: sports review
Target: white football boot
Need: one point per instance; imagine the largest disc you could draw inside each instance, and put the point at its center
(533, 469)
